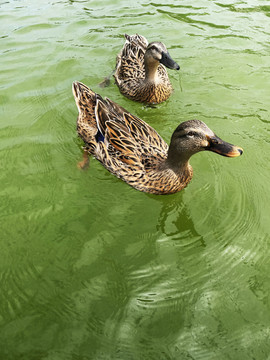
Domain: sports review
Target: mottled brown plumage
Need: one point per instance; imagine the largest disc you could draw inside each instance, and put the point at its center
(139, 72)
(133, 151)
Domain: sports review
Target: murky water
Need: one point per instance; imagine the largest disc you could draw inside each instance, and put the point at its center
(93, 269)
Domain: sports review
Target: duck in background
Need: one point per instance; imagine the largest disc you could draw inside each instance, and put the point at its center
(140, 72)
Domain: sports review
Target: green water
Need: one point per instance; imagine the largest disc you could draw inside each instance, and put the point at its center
(93, 269)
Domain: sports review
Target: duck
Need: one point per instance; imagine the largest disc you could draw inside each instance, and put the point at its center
(133, 151)
(140, 72)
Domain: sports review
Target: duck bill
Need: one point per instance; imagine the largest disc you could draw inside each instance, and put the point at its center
(168, 61)
(223, 148)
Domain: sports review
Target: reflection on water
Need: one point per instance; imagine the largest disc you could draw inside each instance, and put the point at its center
(175, 222)
(91, 268)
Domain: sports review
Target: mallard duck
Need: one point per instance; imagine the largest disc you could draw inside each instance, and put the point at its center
(140, 74)
(133, 151)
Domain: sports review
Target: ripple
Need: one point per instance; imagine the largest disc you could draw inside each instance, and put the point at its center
(228, 248)
(176, 6)
(15, 296)
(263, 8)
(188, 19)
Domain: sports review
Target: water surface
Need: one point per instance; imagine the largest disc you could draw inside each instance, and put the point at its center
(93, 269)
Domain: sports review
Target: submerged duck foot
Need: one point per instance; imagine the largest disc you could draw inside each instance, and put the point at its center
(105, 83)
(107, 80)
(84, 164)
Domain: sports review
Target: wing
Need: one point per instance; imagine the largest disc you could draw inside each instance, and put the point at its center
(132, 126)
(150, 141)
(130, 61)
(128, 138)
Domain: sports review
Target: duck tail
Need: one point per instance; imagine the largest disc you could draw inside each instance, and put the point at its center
(83, 96)
(86, 101)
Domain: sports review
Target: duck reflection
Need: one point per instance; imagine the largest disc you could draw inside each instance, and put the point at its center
(175, 220)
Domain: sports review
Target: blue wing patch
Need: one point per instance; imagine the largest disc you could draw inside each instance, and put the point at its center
(99, 137)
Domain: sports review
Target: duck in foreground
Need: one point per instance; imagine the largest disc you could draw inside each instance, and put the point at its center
(133, 151)
(140, 72)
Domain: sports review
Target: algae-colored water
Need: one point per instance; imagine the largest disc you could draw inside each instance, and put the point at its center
(93, 269)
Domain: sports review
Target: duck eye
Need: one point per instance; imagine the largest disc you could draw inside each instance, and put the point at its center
(191, 134)
(153, 47)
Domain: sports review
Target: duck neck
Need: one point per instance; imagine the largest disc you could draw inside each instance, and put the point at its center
(178, 162)
(151, 72)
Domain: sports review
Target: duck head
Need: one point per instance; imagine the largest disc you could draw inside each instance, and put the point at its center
(193, 136)
(156, 53)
